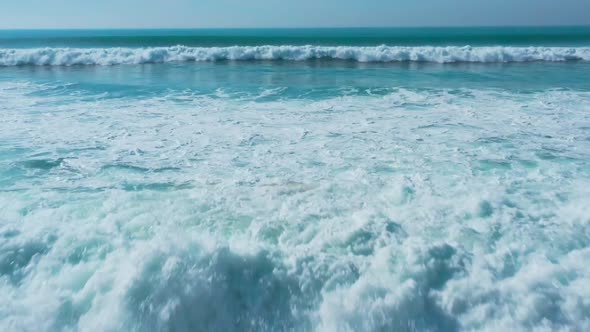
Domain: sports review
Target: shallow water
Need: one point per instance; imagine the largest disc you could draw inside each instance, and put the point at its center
(295, 195)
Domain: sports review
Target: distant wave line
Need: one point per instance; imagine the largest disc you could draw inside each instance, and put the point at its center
(379, 54)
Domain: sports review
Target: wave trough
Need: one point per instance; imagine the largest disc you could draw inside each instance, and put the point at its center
(449, 54)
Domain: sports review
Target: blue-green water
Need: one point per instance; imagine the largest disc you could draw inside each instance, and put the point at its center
(476, 36)
(295, 180)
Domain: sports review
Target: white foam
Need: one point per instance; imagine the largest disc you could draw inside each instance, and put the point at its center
(450, 54)
(415, 210)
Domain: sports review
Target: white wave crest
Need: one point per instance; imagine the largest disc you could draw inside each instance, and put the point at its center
(449, 54)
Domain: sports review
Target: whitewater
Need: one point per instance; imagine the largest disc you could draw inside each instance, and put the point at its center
(301, 181)
(412, 210)
(449, 54)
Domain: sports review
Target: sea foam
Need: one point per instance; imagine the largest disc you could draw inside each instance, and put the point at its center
(449, 54)
(416, 210)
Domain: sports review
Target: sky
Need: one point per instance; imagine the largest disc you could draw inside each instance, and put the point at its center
(39, 14)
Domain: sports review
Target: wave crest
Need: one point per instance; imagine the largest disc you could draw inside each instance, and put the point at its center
(449, 54)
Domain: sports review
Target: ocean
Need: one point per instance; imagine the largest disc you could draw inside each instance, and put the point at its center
(382, 179)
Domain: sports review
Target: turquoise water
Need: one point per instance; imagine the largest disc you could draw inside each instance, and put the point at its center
(477, 36)
(295, 180)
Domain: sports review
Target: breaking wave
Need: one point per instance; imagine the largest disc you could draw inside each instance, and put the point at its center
(450, 54)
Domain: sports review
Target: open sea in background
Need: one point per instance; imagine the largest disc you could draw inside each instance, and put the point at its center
(369, 179)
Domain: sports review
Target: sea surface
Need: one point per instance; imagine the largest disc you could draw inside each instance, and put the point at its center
(432, 179)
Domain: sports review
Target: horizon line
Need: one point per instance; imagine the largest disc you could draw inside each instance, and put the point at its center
(306, 27)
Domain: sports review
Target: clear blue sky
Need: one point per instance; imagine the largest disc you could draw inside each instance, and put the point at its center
(19, 14)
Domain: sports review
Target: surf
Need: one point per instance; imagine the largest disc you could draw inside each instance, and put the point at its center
(368, 54)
